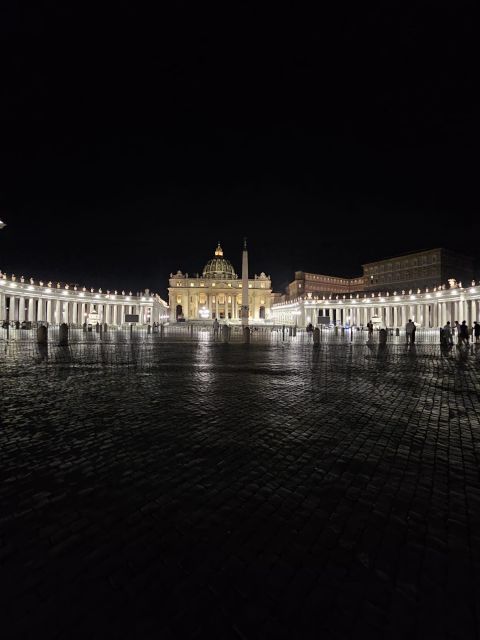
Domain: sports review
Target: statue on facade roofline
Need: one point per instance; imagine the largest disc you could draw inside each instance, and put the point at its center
(453, 283)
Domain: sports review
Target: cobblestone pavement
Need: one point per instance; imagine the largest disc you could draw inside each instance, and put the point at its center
(244, 492)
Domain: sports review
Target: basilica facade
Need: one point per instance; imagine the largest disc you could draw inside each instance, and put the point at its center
(216, 293)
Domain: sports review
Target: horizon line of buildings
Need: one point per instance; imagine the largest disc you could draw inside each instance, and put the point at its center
(413, 284)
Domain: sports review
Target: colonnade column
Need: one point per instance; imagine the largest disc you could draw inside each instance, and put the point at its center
(3, 306)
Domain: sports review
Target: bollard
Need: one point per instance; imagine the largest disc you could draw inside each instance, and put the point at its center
(382, 336)
(225, 332)
(294, 331)
(397, 331)
(63, 335)
(97, 328)
(42, 335)
(246, 335)
(290, 331)
(316, 336)
(149, 329)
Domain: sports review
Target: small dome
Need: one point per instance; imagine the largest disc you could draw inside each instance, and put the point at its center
(219, 267)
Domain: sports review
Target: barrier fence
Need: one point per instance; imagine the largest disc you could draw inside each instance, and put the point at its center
(206, 333)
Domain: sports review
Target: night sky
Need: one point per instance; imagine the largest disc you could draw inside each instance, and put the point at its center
(132, 142)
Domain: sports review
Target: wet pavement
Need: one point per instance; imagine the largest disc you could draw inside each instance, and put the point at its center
(201, 490)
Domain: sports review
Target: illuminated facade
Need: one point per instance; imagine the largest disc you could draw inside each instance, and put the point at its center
(425, 286)
(217, 293)
(429, 308)
(23, 300)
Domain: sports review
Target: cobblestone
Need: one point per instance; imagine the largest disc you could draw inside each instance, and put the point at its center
(232, 491)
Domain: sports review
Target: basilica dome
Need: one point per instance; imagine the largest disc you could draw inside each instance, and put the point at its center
(219, 267)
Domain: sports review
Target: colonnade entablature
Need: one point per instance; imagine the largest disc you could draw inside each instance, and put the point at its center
(26, 299)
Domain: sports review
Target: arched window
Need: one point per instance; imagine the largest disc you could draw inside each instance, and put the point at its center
(262, 313)
(179, 311)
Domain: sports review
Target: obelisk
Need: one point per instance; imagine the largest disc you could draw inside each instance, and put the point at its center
(245, 284)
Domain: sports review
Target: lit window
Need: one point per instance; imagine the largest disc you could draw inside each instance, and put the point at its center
(213, 299)
(191, 284)
(213, 284)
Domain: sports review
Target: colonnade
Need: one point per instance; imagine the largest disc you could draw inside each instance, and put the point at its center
(428, 309)
(23, 302)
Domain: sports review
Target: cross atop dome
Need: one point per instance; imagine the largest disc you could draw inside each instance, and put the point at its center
(219, 250)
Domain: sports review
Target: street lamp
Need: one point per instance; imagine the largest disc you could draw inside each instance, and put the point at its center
(2, 224)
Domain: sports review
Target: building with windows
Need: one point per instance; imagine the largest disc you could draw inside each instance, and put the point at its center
(318, 284)
(217, 293)
(409, 271)
(430, 287)
(420, 269)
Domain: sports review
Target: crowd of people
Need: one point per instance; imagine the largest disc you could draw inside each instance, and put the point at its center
(461, 331)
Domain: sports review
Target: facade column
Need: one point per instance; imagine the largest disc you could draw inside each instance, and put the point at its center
(3, 306)
(21, 309)
(41, 310)
(49, 312)
(31, 310)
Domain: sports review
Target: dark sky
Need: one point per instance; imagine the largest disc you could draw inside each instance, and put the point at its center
(133, 141)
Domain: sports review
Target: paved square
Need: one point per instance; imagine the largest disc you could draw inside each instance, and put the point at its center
(208, 490)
